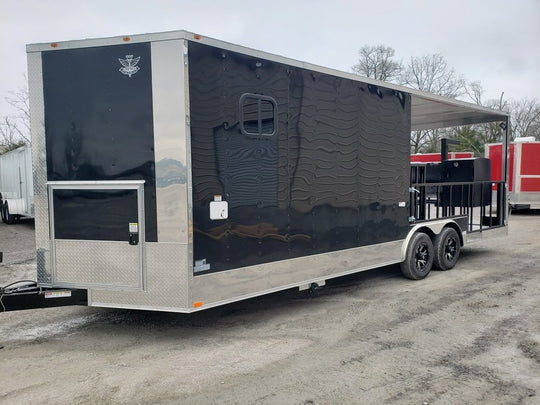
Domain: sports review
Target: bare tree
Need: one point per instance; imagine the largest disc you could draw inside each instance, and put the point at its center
(473, 138)
(11, 136)
(525, 118)
(15, 129)
(377, 62)
(20, 101)
(475, 92)
(431, 73)
(422, 141)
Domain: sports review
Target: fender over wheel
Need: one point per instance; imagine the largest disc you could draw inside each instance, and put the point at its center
(447, 247)
(419, 258)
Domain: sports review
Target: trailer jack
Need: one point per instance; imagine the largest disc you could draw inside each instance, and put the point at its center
(26, 294)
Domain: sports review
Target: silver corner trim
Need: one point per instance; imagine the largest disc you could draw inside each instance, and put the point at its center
(97, 184)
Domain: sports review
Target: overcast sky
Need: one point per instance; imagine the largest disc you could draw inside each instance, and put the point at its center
(494, 41)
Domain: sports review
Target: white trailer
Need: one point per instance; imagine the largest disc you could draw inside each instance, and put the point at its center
(16, 185)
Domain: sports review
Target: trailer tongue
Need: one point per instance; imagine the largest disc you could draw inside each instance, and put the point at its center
(175, 172)
(26, 294)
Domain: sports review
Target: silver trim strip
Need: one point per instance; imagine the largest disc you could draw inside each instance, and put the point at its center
(232, 285)
(144, 307)
(168, 101)
(99, 184)
(188, 175)
(39, 167)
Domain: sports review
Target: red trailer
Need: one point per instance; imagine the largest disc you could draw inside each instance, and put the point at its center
(436, 157)
(523, 171)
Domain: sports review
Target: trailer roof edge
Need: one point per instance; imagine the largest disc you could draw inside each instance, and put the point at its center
(429, 111)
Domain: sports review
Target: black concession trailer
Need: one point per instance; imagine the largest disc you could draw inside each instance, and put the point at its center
(176, 172)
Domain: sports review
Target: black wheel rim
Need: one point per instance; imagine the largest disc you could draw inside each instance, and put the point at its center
(450, 249)
(421, 257)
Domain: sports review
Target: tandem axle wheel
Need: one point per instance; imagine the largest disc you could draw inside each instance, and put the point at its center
(424, 253)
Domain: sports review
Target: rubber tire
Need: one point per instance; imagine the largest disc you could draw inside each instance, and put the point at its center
(3, 212)
(447, 247)
(419, 258)
(10, 219)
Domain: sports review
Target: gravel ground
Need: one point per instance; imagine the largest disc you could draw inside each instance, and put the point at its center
(466, 336)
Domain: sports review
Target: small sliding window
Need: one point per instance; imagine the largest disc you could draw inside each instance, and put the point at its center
(258, 115)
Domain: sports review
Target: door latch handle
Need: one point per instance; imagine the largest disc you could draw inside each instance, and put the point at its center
(134, 238)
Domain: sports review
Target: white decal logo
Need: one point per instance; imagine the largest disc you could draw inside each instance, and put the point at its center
(129, 65)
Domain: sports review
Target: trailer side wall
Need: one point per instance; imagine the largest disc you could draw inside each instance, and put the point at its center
(332, 176)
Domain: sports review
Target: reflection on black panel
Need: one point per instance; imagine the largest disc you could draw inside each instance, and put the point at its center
(247, 168)
(98, 120)
(94, 214)
(334, 174)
